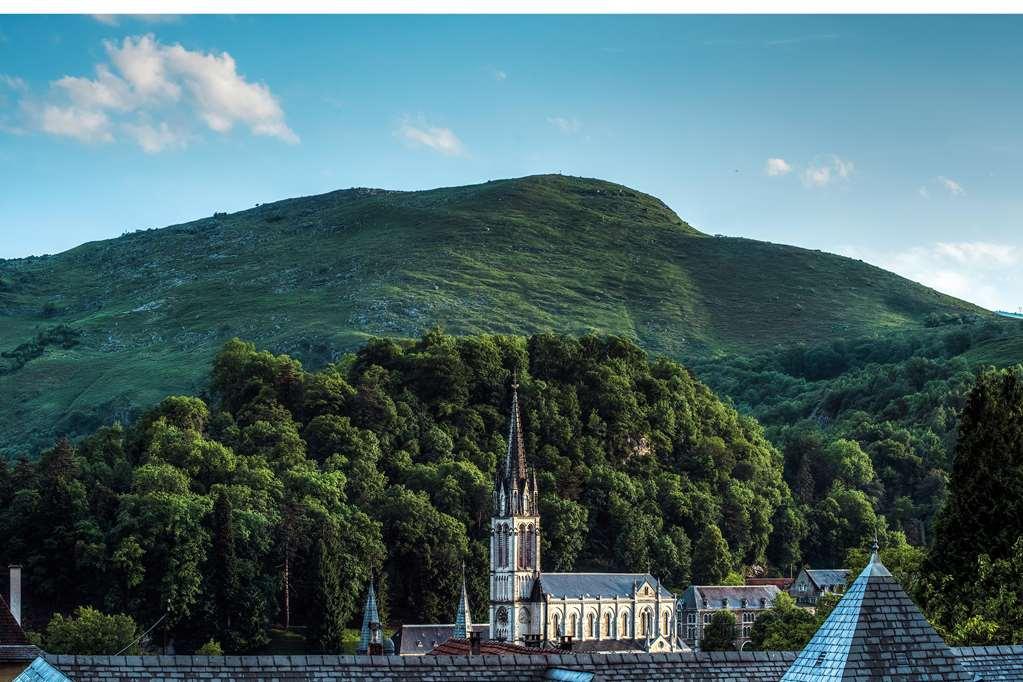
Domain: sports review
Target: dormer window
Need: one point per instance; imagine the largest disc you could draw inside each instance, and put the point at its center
(763, 602)
(724, 603)
(744, 603)
(704, 603)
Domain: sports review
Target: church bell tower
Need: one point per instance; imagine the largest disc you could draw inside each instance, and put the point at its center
(514, 539)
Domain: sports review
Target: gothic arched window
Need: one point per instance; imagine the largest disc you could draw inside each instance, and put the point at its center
(557, 624)
(502, 545)
(521, 542)
(607, 625)
(665, 627)
(592, 623)
(623, 632)
(530, 540)
(574, 623)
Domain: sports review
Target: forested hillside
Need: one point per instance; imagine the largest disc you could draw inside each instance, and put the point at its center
(109, 328)
(384, 462)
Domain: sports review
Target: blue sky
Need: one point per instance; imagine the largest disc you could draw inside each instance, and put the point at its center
(893, 139)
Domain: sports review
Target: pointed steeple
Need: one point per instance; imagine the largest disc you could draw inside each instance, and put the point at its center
(370, 618)
(515, 459)
(463, 620)
(876, 632)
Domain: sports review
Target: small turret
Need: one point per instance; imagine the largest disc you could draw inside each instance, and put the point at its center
(463, 619)
(370, 637)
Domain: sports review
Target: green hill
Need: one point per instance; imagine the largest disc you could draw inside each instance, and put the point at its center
(315, 276)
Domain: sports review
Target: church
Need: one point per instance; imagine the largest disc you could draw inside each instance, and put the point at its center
(595, 612)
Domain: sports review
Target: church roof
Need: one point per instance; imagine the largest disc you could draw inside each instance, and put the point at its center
(828, 577)
(606, 585)
(876, 632)
(515, 458)
(488, 647)
(10, 632)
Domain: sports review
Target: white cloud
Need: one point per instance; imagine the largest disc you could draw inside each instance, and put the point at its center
(153, 139)
(83, 125)
(953, 187)
(569, 126)
(984, 273)
(775, 167)
(422, 134)
(500, 75)
(827, 169)
(146, 84)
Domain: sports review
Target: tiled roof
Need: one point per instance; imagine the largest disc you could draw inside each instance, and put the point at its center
(993, 663)
(780, 583)
(999, 664)
(828, 577)
(607, 585)
(417, 638)
(733, 596)
(369, 615)
(41, 671)
(10, 632)
(876, 632)
(488, 647)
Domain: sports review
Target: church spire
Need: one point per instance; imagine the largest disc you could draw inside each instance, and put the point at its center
(515, 459)
(463, 620)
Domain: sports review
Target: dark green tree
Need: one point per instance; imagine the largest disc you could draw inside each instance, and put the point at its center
(711, 558)
(720, 634)
(224, 570)
(330, 612)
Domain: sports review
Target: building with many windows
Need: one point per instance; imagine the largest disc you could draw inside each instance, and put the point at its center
(811, 584)
(699, 603)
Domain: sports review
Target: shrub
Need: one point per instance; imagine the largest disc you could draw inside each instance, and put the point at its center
(210, 648)
(90, 633)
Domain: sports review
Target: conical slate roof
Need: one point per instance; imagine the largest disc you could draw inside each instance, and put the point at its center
(370, 614)
(463, 620)
(876, 632)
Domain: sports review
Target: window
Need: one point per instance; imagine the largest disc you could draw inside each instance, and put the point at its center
(557, 624)
(724, 603)
(521, 542)
(592, 622)
(529, 547)
(706, 618)
(744, 602)
(574, 622)
(624, 631)
(748, 617)
(607, 624)
(691, 634)
(664, 624)
(763, 602)
(802, 587)
(746, 630)
(691, 618)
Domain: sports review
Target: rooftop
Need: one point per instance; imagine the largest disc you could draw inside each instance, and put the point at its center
(605, 585)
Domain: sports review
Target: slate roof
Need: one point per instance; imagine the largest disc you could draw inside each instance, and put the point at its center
(10, 632)
(828, 577)
(876, 632)
(780, 583)
(413, 639)
(732, 595)
(463, 618)
(993, 663)
(608, 585)
(41, 671)
(999, 664)
(488, 647)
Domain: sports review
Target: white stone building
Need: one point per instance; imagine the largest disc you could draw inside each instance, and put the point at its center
(599, 611)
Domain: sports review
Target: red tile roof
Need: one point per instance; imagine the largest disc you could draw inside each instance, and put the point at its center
(488, 647)
(780, 583)
(10, 632)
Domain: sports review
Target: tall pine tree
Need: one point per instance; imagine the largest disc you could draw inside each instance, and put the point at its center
(225, 579)
(329, 613)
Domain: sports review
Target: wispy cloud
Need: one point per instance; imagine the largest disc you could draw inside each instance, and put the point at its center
(775, 167)
(436, 138)
(12, 82)
(984, 273)
(150, 93)
(951, 186)
(567, 125)
(499, 75)
(827, 169)
(924, 192)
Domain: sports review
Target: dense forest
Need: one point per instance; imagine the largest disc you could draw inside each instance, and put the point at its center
(274, 498)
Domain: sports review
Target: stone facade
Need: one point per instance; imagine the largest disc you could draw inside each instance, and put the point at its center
(699, 603)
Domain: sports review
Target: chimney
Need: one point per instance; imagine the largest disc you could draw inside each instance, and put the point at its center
(15, 600)
(474, 643)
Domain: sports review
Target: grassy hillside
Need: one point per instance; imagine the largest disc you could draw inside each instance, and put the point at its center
(315, 276)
